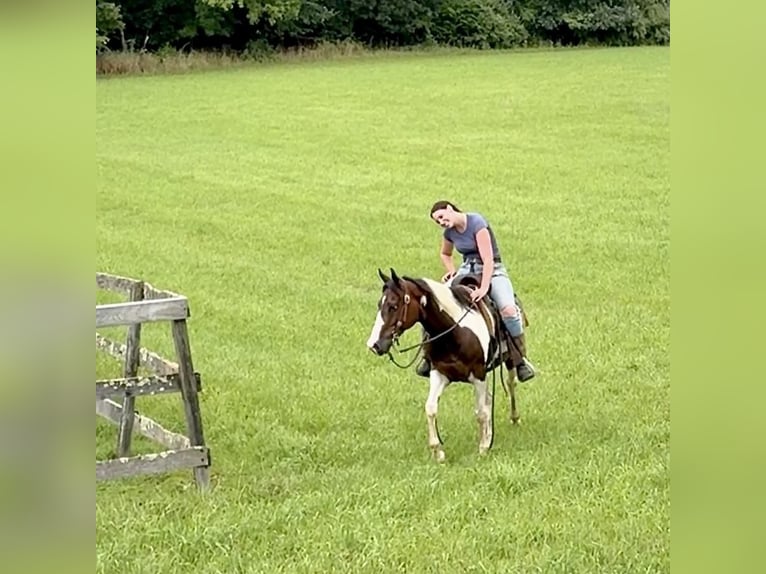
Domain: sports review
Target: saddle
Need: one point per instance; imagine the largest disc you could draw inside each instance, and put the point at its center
(500, 343)
(473, 281)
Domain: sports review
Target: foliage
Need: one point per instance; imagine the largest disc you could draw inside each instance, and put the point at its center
(399, 22)
(478, 23)
(242, 24)
(615, 22)
(108, 20)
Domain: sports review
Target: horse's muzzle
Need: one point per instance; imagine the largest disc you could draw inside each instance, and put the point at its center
(381, 346)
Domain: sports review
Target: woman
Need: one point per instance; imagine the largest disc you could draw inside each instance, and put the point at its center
(472, 236)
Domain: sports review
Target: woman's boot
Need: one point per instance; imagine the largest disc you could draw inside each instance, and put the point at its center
(524, 369)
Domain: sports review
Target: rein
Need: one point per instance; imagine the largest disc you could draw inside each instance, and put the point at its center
(498, 332)
(419, 346)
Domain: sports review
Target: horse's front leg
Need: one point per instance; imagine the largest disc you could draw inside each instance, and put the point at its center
(438, 383)
(483, 413)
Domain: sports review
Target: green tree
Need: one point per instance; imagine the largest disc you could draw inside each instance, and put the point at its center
(479, 24)
(108, 20)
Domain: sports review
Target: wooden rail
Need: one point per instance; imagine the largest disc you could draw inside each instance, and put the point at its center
(155, 463)
(135, 386)
(144, 426)
(116, 314)
(146, 358)
(126, 285)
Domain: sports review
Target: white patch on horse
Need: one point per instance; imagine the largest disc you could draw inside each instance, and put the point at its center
(483, 411)
(450, 305)
(438, 383)
(375, 334)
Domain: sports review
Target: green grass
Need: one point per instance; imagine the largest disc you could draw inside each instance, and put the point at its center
(271, 195)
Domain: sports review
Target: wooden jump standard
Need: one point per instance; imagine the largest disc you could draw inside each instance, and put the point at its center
(148, 304)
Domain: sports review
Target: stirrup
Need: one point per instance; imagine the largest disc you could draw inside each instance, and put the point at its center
(525, 371)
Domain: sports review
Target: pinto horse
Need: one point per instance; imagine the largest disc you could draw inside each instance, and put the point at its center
(463, 340)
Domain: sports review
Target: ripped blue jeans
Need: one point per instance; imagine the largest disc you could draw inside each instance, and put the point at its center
(502, 293)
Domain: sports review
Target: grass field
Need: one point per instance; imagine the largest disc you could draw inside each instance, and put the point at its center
(271, 195)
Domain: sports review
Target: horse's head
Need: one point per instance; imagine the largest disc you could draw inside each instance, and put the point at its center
(398, 310)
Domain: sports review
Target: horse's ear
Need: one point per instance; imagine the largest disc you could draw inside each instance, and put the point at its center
(395, 277)
(382, 276)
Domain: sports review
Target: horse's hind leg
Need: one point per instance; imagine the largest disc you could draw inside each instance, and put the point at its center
(510, 390)
(483, 412)
(438, 383)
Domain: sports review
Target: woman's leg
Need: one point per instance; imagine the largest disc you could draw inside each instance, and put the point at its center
(503, 296)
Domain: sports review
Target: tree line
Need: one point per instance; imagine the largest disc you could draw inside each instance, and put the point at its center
(252, 26)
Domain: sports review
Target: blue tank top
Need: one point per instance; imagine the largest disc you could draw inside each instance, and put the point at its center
(465, 242)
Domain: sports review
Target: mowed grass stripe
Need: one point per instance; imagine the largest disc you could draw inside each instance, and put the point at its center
(269, 196)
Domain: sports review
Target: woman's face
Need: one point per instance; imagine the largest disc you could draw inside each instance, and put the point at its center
(445, 218)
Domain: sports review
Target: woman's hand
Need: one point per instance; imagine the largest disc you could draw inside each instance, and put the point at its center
(478, 294)
(447, 276)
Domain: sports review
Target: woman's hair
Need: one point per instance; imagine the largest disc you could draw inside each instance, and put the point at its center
(443, 204)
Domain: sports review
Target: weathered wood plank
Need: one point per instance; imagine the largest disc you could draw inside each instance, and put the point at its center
(130, 369)
(123, 286)
(151, 292)
(115, 283)
(109, 410)
(139, 386)
(190, 397)
(157, 463)
(116, 314)
(147, 358)
(143, 425)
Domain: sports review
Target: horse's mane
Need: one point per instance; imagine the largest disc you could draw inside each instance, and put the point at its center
(462, 294)
(453, 300)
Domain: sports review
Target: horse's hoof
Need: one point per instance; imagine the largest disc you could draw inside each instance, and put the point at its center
(439, 455)
(515, 420)
(483, 450)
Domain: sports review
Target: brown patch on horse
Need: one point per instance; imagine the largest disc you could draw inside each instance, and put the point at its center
(456, 354)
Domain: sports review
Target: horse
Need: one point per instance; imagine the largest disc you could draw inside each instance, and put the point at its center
(463, 340)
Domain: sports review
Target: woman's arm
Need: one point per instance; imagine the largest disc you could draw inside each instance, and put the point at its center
(484, 243)
(446, 257)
